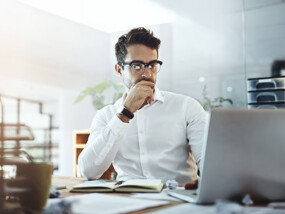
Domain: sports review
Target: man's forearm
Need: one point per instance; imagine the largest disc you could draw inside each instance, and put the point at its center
(101, 149)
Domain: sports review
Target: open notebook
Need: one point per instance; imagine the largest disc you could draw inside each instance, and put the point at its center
(134, 185)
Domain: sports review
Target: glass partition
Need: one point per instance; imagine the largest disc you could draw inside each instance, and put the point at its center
(265, 53)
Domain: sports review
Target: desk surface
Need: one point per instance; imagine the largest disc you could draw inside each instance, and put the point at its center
(71, 181)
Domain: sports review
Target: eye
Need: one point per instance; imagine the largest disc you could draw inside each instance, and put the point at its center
(152, 65)
(137, 66)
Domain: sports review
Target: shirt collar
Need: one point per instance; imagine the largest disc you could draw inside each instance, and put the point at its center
(157, 95)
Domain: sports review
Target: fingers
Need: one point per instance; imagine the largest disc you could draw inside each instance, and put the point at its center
(148, 94)
(139, 94)
(145, 83)
(150, 99)
(191, 185)
(146, 90)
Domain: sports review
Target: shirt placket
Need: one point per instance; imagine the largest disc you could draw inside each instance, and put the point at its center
(142, 144)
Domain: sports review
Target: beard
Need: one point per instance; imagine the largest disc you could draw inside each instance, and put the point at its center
(127, 83)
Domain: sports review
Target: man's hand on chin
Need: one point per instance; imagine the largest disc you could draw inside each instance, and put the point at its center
(140, 93)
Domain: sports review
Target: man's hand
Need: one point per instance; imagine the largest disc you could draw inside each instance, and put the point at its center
(191, 185)
(138, 95)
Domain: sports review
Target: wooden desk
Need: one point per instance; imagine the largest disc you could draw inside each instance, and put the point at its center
(71, 181)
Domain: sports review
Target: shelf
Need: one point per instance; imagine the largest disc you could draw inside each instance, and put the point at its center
(16, 132)
(80, 139)
(84, 131)
(79, 146)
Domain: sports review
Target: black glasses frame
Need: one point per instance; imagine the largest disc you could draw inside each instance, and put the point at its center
(141, 62)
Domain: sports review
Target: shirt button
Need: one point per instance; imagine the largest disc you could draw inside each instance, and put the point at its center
(141, 132)
(146, 172)
(142, 153)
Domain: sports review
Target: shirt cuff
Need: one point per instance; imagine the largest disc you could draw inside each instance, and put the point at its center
(117, 126)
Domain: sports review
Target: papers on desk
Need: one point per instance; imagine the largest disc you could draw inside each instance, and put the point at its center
(107, 204)
(224, 207)
(186, 209)
(157, 196)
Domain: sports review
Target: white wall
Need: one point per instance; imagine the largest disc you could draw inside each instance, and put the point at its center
(72, 117)
(213, 51)
(50, 59)
(43, 48)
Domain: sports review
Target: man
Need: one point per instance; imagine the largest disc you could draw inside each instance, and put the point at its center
(147, 133)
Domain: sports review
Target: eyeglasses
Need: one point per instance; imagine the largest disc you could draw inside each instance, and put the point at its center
(138, 67)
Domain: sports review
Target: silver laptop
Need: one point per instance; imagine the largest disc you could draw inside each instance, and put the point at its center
(244, 154)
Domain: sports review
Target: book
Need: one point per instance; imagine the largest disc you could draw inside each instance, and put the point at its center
(133, 185)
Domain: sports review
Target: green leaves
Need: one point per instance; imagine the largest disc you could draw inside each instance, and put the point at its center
(97, 93)
(103, 86)
(83, 94)
(209, 104)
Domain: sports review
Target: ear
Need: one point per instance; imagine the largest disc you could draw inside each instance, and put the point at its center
(118, 69)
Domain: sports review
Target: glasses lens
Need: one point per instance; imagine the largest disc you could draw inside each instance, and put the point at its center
(136, 67)
(156, 66)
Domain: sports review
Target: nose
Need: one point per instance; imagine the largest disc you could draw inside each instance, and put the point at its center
(147, 72)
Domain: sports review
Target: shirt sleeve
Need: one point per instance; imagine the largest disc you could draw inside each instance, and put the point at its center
(102, 145)
(196, 124)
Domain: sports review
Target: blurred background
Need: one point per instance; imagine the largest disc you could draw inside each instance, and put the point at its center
(52, 50)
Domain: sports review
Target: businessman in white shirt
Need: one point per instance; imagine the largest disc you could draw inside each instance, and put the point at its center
(147, 133)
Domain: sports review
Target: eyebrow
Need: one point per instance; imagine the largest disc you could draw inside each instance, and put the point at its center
(138, 61)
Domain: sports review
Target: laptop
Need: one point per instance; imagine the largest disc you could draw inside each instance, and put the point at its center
(244, 153)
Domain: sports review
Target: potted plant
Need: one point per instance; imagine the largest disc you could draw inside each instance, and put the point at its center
(208, 104)
(99, 94)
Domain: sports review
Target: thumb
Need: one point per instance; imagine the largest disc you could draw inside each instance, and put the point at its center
(124, 96)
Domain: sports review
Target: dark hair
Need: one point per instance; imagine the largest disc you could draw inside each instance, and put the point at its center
(135, 36)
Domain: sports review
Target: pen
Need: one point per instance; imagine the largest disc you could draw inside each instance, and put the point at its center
(119, 183)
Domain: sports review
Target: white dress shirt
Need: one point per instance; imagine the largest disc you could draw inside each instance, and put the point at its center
(159, 142)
